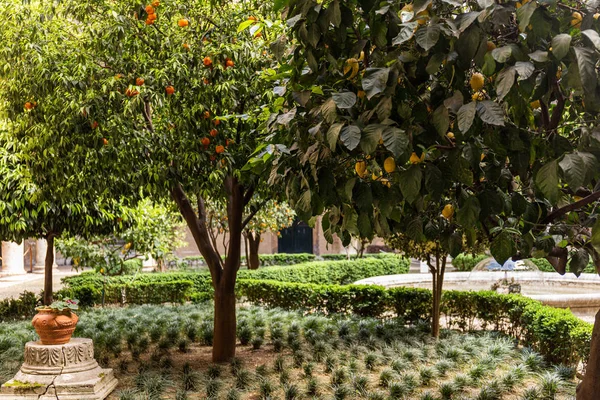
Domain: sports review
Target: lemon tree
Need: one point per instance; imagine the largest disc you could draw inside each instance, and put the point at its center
(515, 83)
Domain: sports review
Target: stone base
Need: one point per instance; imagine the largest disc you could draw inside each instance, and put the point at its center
(62, 372)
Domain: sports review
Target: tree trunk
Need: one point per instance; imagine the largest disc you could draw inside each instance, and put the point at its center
(48, 264)
(438, 283)
(589, 388)
(224, 325)
(253, 245)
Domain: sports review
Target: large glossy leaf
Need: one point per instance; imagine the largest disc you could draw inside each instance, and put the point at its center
(524, 14)
(505, 81)
(560, 45)
(395, 140)
(428, 35)
(547, 181)
(579, 260)
(441, 119)
(370, 137)
(466, 115)
(344, 100)
(502, 54)
(587, 70)
(593, 36)
(503, 247)
(350, 136)
(375, 81)
(573, 168)
(410, 183)
(468, 213)
(407, 31)
(333, 133)
(525, 69)
(490, 112)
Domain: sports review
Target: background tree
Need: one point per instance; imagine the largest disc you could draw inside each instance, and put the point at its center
(155, 230)
(52, 157)
(491, 106)
(174, 94)
(271, 216)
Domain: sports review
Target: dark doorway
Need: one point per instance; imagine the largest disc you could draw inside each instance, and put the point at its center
(298, 238)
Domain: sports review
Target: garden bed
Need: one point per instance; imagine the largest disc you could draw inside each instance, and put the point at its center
(158, 351)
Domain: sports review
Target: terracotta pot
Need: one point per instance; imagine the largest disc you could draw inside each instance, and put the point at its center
(54, 327)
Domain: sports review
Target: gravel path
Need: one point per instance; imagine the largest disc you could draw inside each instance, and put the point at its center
(13, 286)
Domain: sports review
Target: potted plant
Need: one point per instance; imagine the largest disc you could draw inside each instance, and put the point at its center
(56, 323)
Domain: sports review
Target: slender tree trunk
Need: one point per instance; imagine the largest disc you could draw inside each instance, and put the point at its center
(48, 264)
(589, 388)
(224, 341)
(253, 245)
(437, 273)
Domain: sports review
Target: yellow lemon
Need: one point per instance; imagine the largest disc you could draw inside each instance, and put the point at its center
(535, 104)
(389, 165)
(450, 135)
(415, 159)
(482, 156)
(351, 65)
(478, 96)
(477, 81)
(101, 270)
(448, 211)
(576, 21)
(386, 182)
(596, 16)
(360, 168)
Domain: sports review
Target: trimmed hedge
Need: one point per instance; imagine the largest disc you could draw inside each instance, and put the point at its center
(557, 334)
(466, 262)
(178, 291)
(283, 259)
(87, 287)
(21, 308)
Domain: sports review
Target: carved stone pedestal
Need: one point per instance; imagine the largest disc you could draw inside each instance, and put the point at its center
(61, 372)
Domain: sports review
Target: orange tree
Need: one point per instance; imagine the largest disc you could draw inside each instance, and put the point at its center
(52, 158)
(272, 216)
(488, 105)
(174, 92)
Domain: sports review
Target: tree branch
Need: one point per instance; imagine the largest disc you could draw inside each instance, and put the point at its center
(560, 105)
(253, 213)
(571, 207)
(147, 111)
(198, 227)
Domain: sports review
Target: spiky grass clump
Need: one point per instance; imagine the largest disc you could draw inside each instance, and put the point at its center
(243, 379)
(291, 392)
(233, 394)
(213, 386)
(266, 389)
(312, 387)
(213, 371)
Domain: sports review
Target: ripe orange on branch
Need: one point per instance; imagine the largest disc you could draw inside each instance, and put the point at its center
(206, 114)
(205, 141)
(217, 122)
(139, 81)
(183, 23)
(28, 106)
(229, 62)
(150, 9)
(170, 90)
(219, 149)
(207, 61)
(214, 132)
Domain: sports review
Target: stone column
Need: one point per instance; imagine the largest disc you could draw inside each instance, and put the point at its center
(13, 261)
(41, 246)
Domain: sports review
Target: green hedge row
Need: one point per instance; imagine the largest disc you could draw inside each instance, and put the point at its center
(87, 287)
(22, 307)
(557, 334)
(466, 262)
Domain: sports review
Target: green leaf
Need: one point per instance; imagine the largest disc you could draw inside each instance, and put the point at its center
(560, 45)
(335, 14)
(490, 112)
(333, 133)
(303, 204)
(574, 169)
(455, 242)
(420, 5)
(344, 100)
(579, 260)
(586, 62)
(407, 31)
(489, 65)
(505, 81)
(524, 14)
(427, 36)
(468, 214)
(502, 54)
(244, 25)
(350, 136)
(466, 115)
(434, 181)
(441, 120)
(410, 183)
(539, 56)
(350, 220)
(525, 69)
(370, 137)
(593, 36)
(329, 111)
(547, 181)
(375, 81)
(503, 247)
(365, 226)
(414, 229)
(395, 140)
